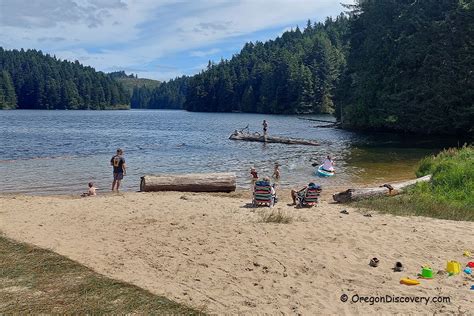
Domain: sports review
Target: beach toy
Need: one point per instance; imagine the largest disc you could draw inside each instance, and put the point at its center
(408, 281)
(323, 173)
(374, 262)
(472, 287)
(468, 270)
(398, 267)
(426, 273)
(466, 254)
(453, 267)
(470, 264)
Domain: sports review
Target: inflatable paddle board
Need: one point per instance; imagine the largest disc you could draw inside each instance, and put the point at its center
(323, 173)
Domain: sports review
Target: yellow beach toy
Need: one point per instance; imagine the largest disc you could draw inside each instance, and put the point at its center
(453, 267)
(467, 254)
(408, 281)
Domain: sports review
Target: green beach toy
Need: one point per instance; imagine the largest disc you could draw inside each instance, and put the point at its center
(426, 273)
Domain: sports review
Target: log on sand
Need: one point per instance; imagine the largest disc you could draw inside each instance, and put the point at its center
(198, 182)
(272, 139)
(351, 195)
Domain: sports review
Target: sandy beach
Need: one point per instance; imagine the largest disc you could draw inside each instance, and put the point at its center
(213, 251)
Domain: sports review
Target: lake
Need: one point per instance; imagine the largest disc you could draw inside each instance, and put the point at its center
(49, 152)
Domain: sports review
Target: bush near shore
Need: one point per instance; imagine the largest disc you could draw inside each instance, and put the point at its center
(448, 196)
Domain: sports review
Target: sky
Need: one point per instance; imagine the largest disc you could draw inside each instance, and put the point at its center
(157, 39)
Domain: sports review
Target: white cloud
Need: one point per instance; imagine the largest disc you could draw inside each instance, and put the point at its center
(204, 53)
(118, 34)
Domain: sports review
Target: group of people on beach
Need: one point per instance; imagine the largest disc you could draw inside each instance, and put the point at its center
(328, 165)
(120, 170)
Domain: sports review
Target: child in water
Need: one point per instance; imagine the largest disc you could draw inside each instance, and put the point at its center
(253, 173)
(91, 191)
(276, 171)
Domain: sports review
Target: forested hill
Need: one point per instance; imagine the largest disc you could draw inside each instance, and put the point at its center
(295, 73)
(167, 95)
(130, 82)
(410, 67)
(397, 65)
(32, 80)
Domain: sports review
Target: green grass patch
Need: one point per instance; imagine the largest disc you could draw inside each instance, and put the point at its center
(39, 281)
(450, 194)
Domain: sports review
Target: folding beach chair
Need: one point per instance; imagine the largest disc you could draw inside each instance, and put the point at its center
(262, 194)
(310, 197)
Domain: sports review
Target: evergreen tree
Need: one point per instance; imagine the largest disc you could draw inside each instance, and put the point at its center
(295, 73)
(40, 81)
(410, 67)
(7, 91)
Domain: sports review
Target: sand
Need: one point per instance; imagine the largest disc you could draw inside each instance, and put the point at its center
(212, 251)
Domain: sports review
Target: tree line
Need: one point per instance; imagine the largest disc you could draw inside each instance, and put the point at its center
(410, 67)
(295, 73)
(33, 80)
(398, 65)
(167, 95)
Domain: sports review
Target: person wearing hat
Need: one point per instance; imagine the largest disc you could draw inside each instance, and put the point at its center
(302, 192)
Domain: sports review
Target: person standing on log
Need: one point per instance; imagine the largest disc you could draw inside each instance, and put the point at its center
(120, 169)
(265, 128)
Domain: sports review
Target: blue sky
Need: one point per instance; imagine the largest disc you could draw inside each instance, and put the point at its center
(158, 39)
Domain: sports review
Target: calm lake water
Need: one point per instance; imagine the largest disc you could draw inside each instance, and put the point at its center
(45, 152)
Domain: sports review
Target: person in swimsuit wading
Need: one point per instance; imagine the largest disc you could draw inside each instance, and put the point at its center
(118, 162)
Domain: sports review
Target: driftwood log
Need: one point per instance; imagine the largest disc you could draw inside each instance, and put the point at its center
(272, 139)
(199, 182)
(351, 195)
(316, 120)
(332, 125)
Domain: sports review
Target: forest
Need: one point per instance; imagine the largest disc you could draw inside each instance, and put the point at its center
(391, 65)
(167, 95)
(410, 67)
(394, 65)
(30, 79)
(295, 73)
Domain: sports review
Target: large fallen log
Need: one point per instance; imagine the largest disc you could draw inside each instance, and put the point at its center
(332, 125)
(316, 120)
(351, 195)
(198, 182)
(272, 139)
